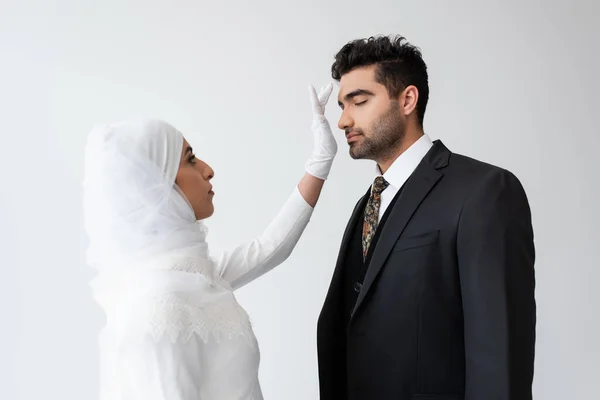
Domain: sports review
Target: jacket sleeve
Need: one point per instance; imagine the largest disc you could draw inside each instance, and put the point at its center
(496, 265)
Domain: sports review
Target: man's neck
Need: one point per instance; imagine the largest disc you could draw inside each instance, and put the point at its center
(409, 140)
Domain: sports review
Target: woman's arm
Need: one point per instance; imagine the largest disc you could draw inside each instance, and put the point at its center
(310, 188)
(249, 261)
(273, 246)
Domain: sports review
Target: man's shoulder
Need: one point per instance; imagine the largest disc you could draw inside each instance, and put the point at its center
(476, 169)
(462, 161)
(468, 174)
(476, 174)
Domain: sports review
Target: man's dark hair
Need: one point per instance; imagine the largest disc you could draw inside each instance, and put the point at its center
(398, 65)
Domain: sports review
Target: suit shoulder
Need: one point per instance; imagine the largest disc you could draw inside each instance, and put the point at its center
(477, 170)
(469, 163)
(479, 178)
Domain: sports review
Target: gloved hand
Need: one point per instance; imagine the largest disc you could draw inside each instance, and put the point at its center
(319, 163)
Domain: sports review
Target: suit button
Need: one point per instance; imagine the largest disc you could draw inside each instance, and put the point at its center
(357, 287)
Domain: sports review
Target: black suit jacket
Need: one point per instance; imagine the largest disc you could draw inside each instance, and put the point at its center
(447, 308)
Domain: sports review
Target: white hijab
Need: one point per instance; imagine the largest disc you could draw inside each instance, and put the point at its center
(145, 241)
(133, 209)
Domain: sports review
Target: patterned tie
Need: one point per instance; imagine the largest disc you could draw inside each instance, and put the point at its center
(372, 213)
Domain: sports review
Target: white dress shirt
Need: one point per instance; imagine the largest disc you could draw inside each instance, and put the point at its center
(401, 169)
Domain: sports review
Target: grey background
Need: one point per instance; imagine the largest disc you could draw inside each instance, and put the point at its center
(513, 83)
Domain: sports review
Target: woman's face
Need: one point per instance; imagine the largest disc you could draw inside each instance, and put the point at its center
(193, 178)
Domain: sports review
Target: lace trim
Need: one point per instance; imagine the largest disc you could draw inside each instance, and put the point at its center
(180, 315)
(186, 263)
(177, 319)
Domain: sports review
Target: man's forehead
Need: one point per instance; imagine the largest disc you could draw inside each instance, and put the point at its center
(359, 78)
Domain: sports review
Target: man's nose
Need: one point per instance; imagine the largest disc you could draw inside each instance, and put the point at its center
(345, 121)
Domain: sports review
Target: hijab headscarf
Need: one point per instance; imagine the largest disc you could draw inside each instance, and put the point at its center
(145, 241)
(133, 209)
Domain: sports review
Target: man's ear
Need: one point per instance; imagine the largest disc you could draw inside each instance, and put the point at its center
(408, 100)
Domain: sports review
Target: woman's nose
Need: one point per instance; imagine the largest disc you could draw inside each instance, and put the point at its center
(209, 173)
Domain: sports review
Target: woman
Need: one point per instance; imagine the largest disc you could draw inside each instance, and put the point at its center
(174, 329)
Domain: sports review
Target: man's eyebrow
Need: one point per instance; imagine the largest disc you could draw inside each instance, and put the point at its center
(189, 150)
(357, 92)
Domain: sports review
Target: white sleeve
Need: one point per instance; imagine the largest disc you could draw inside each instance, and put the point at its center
(251, 260)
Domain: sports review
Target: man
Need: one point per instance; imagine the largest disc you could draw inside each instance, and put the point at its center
(433, 292)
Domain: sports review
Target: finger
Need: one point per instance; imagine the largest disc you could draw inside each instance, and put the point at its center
(325, 93)
(314, 100)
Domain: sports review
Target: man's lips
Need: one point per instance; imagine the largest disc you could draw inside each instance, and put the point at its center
(352, 135)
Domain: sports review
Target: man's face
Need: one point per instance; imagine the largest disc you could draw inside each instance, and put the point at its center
(373, 122)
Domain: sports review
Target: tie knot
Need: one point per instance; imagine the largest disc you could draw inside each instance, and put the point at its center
(379, 185)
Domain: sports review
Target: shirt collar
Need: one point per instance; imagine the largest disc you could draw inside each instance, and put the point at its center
(406, 163)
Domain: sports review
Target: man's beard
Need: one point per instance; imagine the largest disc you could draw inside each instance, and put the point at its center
(384, 139)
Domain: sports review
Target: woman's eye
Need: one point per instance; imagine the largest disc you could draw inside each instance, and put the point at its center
(192, 159)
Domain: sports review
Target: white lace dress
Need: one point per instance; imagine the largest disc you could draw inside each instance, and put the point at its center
(174, 328)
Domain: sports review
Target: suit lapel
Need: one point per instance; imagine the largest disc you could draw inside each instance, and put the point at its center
(336, 281)
(416, 189)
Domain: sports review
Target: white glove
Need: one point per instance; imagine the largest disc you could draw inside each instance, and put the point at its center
(319, 163)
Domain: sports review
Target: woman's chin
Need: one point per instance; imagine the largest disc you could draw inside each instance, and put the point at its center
(205, 213)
